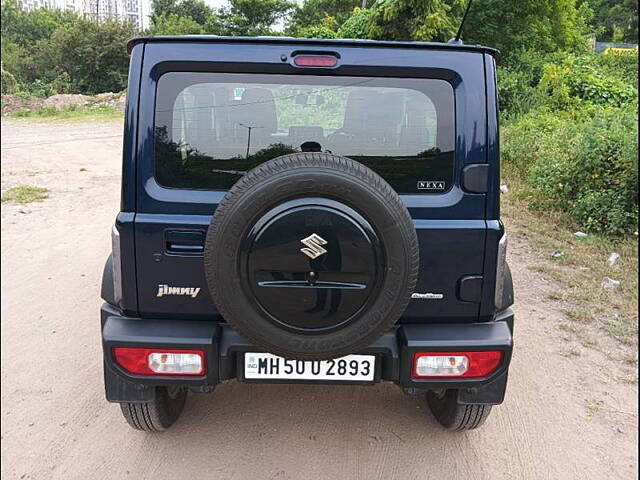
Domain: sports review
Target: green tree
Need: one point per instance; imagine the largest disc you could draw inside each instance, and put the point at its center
(357, 25)
(14, 59)
(173, 24)
(22, 34)
(315, 12)
(92, 54)
(318, 31)
(544, 26)
(435, 20)
(615, 20)
(252, 17)
(25, 28)
(197, 10)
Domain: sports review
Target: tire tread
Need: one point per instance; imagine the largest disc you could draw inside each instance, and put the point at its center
(454, 416)
(156, 415)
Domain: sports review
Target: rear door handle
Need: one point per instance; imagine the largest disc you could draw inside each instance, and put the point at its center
(184, 241)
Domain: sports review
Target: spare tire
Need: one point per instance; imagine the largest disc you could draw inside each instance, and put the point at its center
(311, 256)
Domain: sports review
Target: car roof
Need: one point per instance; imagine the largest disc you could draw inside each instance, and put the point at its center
(453, 46)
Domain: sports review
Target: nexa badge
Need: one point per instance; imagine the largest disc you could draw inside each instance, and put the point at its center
(186, 291)
(431, 185)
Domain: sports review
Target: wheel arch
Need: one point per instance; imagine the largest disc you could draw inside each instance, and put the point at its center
(107, 289)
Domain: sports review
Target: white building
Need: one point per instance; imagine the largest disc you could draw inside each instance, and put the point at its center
(32, 4)
(136, 11)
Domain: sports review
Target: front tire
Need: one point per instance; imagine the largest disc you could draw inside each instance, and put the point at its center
(450, 414)
(156, 415)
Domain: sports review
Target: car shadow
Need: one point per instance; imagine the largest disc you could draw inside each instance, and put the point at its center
(308, 431)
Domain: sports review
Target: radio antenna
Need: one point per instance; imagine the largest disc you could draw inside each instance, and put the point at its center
(464, 18)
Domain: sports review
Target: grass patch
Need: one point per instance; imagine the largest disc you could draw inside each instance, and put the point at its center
(589, 343)
(70, 112)
(571, 352)
(557, 296)
(571, 328)
(578, 314)
(593, 408)
(25, 194)
(630, 358)
(582, 268)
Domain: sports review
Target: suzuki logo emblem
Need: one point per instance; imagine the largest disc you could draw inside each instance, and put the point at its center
(313, 247)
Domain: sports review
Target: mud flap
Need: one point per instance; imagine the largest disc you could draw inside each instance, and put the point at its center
(119, 390)
(489, 394)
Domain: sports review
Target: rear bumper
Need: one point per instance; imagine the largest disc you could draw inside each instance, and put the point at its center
(224, 350)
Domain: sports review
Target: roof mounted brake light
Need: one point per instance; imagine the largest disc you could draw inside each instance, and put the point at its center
(317, 61)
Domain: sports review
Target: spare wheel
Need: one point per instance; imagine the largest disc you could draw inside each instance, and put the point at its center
(311, 256)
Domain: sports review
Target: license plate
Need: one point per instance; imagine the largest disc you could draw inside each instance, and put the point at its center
(353, 368)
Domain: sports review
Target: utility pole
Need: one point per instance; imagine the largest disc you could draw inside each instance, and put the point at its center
(364, 4)
(249, 128)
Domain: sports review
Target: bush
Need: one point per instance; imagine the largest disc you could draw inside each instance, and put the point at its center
(9, 82)
(555, 88)
(61, 84)
(582, 162)
(571, 133)
(16, 61)
(597, 178)
(623, 66)
(54, 51)
(38, 88)
(559, 81)
(526, 140)
(589, 83)
(93, 55)
(517, 95)
(518, 79)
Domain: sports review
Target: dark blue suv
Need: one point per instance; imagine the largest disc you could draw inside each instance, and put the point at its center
(317, 211)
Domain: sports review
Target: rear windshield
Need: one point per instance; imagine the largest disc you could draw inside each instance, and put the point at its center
(211, 128)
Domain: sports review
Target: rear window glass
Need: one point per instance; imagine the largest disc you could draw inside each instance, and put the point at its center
(211, 128)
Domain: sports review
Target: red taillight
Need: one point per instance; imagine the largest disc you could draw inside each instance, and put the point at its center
(455, 364)
(315, 61)
(160, 361)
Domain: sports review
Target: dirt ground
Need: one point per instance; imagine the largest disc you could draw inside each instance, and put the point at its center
(566, 416)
